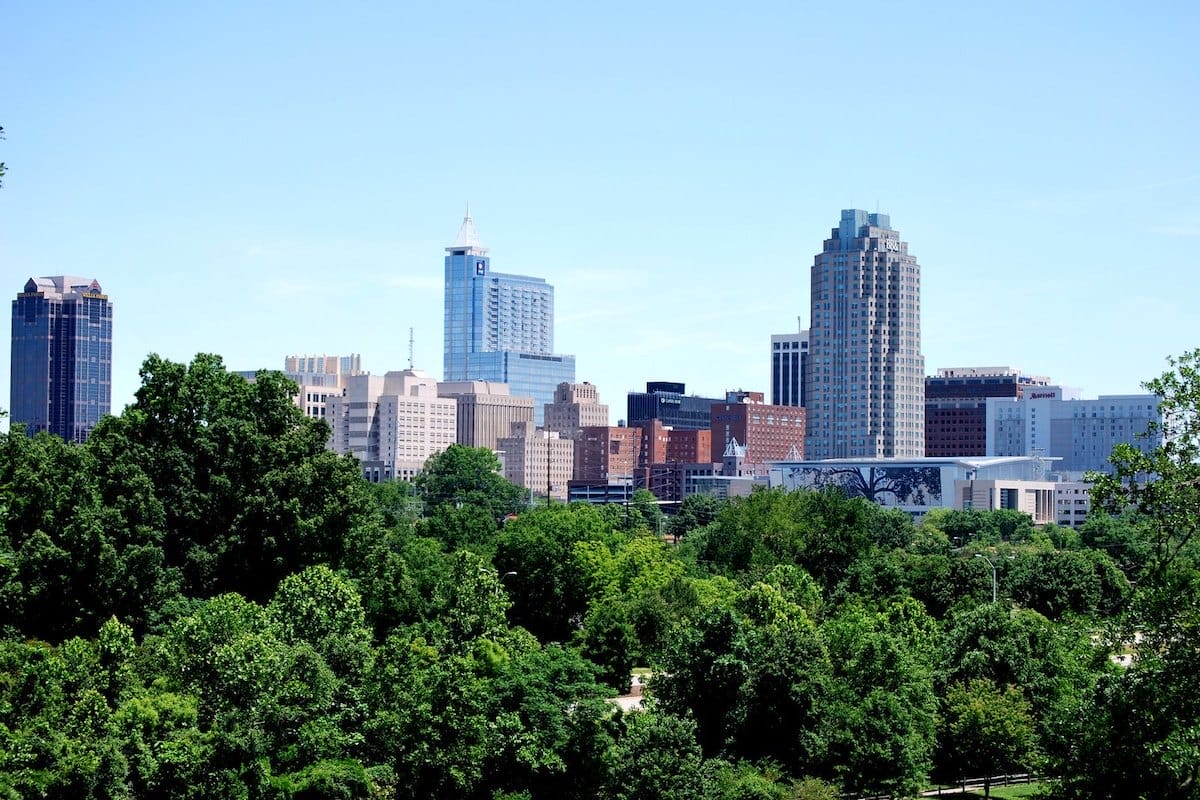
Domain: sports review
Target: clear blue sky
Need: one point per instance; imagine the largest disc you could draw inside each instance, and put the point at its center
(262, 179)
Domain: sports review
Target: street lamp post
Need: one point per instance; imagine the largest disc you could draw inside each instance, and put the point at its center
(499, 578)
(993, 566)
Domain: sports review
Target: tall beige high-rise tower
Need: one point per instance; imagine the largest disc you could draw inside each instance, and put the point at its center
(866, 376)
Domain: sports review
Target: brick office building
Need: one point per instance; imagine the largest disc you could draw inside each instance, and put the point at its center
(956, 406)
(768, 432)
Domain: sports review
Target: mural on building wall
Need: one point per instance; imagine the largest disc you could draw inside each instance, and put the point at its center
(887, 486)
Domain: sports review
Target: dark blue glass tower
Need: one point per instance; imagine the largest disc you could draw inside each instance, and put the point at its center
(61, 356)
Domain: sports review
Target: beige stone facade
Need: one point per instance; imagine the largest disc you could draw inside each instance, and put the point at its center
(575, 406)
(392, 423)
(540, 460)
(486, 410)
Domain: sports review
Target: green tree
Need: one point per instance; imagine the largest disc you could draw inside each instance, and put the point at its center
(323, 610)
(472, 600)
(987, 731)
(609, 641)
(530, 691)
(1124, 537)
(67, 559)
(1163, 483)
(696, 511)
(1057, 582)
(431, 719)
(1056, 666)
(234, 475)
(468, 476)
(550, 587)
(1141, 735)
(754, 678)
(881, 709)
(657, 758)
(462, 527)
(644, 511)
(399, 578)
(397, 501)
(822, 531)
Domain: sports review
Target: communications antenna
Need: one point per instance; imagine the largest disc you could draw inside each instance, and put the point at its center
(410, 348)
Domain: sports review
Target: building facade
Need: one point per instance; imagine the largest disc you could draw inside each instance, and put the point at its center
(576, 406)
(1072, 503)
(768, 432)
(61, 368)
(499, 327)
(666, 401)
(917, 485)
(956, 406)
(865, 395)
(789, 366)
(607, 454)
(319, 377)
(486, 411)
(689, 447)
(538, 459)
(392, 423)
(1054, 421)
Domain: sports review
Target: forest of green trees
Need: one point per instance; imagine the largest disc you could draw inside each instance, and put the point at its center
(202, 602)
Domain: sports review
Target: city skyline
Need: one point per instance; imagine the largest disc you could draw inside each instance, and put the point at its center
(293, 190)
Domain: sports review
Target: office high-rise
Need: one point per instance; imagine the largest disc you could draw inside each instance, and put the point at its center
(866, 378)
(61, 356)
(575, 406)
(956, 406)
(500, 327)
(392, 423)
(666, 401)
(789, 365)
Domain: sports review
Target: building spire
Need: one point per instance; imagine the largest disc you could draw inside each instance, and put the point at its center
(468, 237)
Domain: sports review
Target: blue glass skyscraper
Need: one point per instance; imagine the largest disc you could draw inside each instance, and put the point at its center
(61, 356)
(500, 327)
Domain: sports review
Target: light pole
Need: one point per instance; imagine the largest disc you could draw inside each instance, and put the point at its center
(499, 578)
(993, 566)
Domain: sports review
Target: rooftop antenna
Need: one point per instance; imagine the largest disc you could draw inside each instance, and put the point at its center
(410, 347)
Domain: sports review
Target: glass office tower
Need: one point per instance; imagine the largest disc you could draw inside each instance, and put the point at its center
(61, 379)
(499, 327)
(866, 375)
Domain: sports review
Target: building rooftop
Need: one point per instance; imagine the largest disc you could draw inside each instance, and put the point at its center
(468, 237)
(982, 462)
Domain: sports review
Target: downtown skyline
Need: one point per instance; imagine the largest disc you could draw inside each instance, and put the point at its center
(258, 196)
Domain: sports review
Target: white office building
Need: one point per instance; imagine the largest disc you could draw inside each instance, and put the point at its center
(1054, 421)
(392, 423)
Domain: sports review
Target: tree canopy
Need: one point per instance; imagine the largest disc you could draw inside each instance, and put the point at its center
(202, 601)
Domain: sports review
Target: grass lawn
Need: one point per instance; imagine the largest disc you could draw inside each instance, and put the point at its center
(1024, 790)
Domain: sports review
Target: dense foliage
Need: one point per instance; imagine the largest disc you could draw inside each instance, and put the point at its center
(201, 601)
